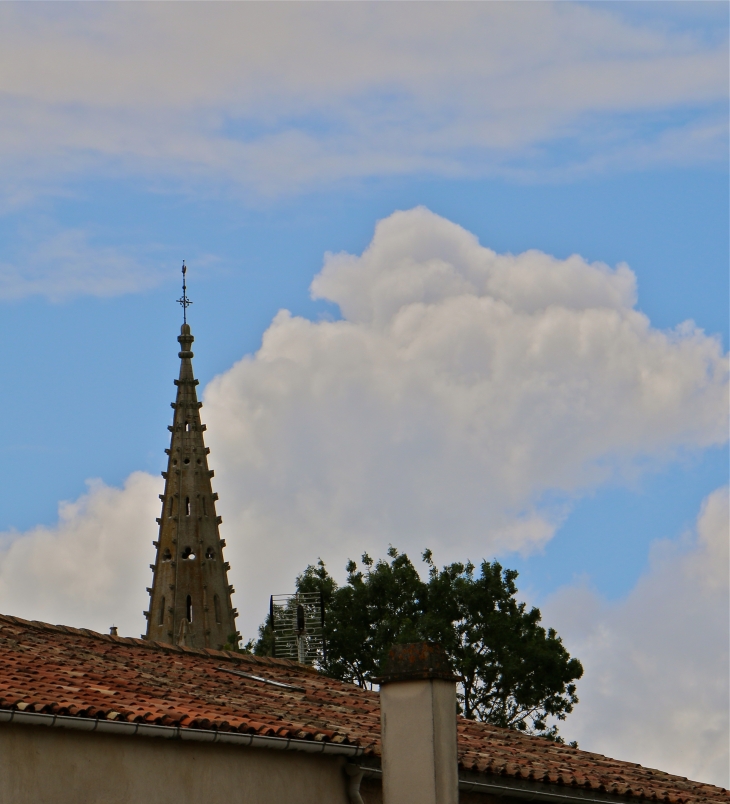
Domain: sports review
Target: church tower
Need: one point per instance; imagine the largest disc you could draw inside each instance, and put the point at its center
(190, 599)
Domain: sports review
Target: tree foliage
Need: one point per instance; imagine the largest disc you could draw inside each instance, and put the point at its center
(514, 672)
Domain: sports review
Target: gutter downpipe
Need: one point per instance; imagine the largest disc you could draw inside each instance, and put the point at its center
(176, 733)
(354, 774)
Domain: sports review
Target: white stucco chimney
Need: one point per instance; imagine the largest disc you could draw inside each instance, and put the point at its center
(418, 726)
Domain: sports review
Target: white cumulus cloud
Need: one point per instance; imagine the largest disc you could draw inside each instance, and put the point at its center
(460, 391)
(655, 688)
(90, 569)
(460, 404)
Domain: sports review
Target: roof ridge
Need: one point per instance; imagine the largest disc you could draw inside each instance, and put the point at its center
(235, 656)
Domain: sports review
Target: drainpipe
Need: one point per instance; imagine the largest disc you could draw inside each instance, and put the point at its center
(418, 726)
(354, 777)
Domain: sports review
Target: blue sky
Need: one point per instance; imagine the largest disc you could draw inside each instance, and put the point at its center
(110, 362)
(251, 140)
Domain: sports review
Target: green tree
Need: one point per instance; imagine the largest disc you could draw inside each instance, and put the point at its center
(514, 672)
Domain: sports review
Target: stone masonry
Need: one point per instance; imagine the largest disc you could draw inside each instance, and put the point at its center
(190, 598)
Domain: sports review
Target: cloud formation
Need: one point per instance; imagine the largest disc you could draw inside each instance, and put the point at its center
(463, 393)
(464, 399)
(65, 264)
(283, 97)
(655, 688)
(90, 569)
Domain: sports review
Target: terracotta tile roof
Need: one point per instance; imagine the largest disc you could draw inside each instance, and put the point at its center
(68, 671)
(509, 754)
(63, 670)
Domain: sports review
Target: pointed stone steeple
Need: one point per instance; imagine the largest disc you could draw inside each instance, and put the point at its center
(190, 597)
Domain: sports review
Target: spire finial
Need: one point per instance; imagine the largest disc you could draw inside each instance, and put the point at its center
(184, 301)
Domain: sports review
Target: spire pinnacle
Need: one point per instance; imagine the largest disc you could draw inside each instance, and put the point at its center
(184, 301)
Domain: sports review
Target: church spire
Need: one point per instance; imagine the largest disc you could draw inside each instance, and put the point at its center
(190, 599)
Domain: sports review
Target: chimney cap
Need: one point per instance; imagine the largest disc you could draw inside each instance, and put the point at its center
(417, 661)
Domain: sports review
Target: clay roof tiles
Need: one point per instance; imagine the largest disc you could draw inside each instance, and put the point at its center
(69, 671)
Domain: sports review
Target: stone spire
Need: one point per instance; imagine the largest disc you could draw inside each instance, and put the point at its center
(190, 599)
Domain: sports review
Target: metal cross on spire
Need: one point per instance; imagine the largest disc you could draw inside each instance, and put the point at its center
(184, 301)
